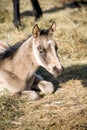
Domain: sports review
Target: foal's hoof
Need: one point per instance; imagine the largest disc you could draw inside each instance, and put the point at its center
(46, 87)
(31, 95)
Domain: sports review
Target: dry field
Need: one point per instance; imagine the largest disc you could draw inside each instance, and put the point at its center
(66, 109)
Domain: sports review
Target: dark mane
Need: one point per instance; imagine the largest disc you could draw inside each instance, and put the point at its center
(11, 49)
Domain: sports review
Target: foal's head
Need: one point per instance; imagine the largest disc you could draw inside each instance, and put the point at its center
(45, 49)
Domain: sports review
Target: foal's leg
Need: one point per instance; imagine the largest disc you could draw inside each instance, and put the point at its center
(45, 86)
(31, 95)
(16, 20)
(37, 9)
(27, 92)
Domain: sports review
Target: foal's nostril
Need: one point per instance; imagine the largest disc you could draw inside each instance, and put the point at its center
(58, 70)
(55, 69)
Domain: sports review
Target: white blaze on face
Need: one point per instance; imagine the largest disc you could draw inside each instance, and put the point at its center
(49, 42)
(36, 55)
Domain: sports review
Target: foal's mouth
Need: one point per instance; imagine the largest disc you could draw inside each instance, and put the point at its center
(56, 75)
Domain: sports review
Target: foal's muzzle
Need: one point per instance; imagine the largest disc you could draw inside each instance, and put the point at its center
(57, 71)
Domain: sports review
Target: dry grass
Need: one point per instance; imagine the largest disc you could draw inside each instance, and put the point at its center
(66, 109)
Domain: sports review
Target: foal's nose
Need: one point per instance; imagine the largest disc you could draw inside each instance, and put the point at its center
(58, 70)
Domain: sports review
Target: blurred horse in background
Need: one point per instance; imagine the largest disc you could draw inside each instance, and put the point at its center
(16, 8)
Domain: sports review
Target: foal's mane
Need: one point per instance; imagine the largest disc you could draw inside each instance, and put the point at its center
(9, 52)
(11, 49)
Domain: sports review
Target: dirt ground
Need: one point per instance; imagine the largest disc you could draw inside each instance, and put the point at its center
(66, 109)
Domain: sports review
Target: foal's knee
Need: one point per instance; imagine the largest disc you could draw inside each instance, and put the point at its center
(46, 87)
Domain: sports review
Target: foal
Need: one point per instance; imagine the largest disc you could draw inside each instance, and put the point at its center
(19, 62)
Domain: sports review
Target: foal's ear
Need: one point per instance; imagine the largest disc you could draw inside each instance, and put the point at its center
(36, 31)
(52, 28)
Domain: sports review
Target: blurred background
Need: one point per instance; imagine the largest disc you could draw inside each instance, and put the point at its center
(71, 36)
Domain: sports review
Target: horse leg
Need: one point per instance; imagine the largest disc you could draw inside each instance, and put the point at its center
(45, 86)
(27, 92)
(37, 79)
(36, 82)
(37, 9)
(16, 20)
(31, 95)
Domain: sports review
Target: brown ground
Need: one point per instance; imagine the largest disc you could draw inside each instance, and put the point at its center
(66, 109)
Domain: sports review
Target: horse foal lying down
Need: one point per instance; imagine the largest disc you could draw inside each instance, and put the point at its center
(19, 62)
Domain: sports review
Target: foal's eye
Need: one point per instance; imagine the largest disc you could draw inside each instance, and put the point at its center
(41, 49)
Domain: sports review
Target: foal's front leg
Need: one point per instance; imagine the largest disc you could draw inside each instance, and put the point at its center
(45, 86)
(31, 95)
(27, 92)
(36, 82)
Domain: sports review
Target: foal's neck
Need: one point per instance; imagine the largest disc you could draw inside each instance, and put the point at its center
(24, 62)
